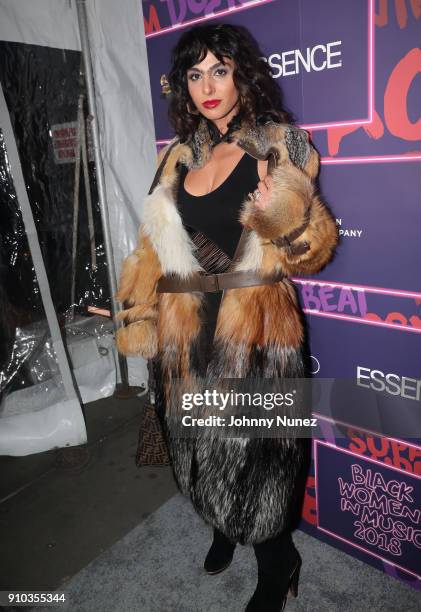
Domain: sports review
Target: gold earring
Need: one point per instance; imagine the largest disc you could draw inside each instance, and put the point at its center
(196, 112)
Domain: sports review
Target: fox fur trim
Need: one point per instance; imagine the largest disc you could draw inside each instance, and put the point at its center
(139, 339)
(292, 194)
(162, 224)
(137, 291)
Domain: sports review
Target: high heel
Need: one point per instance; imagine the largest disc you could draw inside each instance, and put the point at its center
(220, 553)
(279, 565)
(293, 585)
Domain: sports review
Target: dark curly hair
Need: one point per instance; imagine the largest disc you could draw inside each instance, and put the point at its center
(259, 93)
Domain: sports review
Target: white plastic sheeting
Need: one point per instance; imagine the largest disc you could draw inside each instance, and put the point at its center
(128, 149)
(47, 414)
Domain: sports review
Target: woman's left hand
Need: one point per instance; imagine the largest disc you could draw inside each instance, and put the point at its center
(265, 187)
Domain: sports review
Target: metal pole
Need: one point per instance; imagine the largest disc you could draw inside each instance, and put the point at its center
(87, 61)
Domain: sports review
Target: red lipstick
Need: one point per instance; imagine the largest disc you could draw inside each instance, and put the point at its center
(211, 103)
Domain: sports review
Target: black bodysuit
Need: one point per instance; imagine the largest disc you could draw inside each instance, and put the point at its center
(216, 216)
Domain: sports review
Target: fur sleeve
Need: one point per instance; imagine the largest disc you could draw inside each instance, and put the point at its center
(294, 200)
(140, 273)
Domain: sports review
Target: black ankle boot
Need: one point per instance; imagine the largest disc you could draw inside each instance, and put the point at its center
(279, 564)
(220, 553)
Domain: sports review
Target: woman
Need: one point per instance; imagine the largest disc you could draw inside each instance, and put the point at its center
(231, 214)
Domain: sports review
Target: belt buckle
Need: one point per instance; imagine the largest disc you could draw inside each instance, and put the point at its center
(212, 282)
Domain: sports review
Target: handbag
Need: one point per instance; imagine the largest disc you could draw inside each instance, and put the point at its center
(152, 448)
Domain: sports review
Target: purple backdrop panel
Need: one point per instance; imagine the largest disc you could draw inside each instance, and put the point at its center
(376, 306)
(372, 507)
(367, 305)
(392, 452)
(377, 206)
(338, 347)
(375, 372)
(395, 129)
(161, 15)
(159, 53)
(342, 87)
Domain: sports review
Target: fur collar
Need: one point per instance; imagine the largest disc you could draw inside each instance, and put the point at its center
(257, 139)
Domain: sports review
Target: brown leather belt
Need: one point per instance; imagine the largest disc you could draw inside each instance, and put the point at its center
(215, 282)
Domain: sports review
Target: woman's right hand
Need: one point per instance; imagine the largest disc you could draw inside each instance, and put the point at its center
(264, 187)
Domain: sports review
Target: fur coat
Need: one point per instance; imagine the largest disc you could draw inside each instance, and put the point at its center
(249, 488)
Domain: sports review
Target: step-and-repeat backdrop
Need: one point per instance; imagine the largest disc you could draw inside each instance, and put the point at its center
(350, 73)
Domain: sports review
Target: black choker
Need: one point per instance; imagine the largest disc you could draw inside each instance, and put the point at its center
(215, 134)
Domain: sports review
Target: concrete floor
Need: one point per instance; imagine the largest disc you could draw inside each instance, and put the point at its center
(54, 520)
